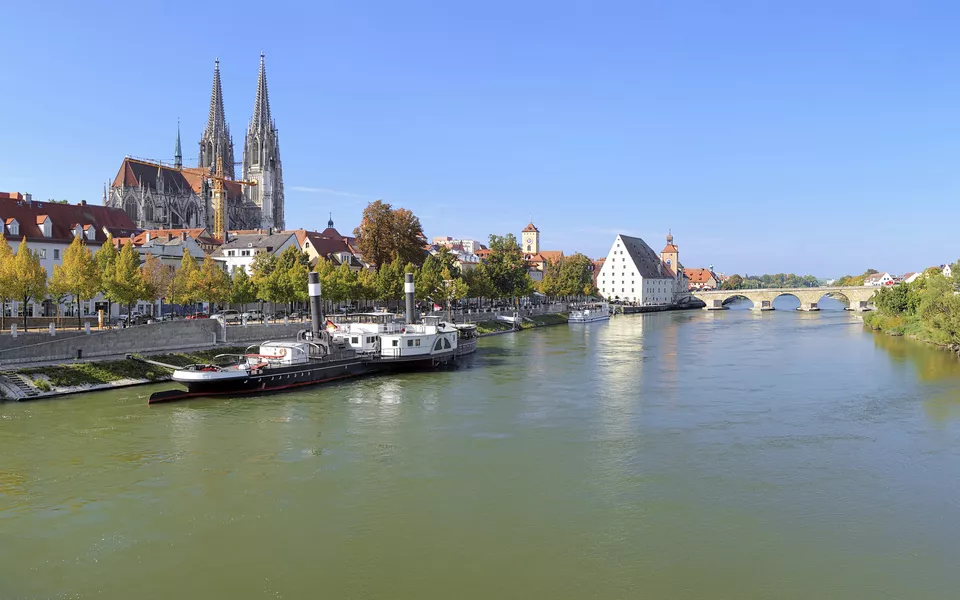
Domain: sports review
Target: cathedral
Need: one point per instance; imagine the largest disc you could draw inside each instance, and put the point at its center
(159, 195)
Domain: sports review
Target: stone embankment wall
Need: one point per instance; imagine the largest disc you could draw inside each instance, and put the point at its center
(156, 337)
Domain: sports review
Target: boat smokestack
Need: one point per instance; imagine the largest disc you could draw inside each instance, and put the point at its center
(316, 308)
(408, 291)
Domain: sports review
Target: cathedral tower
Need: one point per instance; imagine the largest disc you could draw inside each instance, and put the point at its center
(216, 141)
(261, 159)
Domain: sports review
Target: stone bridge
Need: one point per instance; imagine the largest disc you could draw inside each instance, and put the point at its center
(857, 298)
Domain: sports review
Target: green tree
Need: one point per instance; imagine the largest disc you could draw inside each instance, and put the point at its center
(390, 281)
(507, 267)
(243, 290)
(29, 278)
(181, 289)
(77, 276)
(211, 283)
(428, 280)
(345, 283)
(126, 285)
(106, 258)
(6, 277)
(574, 274)
(367, 284)
(734, 282)
(478, 283)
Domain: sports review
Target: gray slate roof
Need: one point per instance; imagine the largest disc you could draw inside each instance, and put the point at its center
(255, 240)
(646, 260)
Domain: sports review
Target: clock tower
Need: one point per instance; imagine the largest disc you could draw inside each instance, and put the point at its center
(530, 239)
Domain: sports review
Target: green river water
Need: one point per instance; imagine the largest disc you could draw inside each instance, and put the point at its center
(688, 455)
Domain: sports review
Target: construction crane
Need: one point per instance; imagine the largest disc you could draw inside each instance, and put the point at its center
(220, 218)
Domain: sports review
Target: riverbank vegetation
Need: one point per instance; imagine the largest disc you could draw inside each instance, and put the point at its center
(778, 280)
(927, 309)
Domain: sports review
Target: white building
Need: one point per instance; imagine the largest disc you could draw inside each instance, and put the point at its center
(49, 228)
(633, 272)
(879, 279)
(463, 245)
(240, 250)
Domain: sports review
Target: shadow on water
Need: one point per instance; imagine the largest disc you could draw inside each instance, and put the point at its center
(931, 365)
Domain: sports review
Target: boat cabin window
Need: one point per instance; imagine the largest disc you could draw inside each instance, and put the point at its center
(396, 343)
(438, 345)
(416, 342)
(409, 343)
(446, 343)
(354, 340)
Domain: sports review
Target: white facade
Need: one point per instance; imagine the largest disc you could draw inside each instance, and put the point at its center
(879, 279)
(240, 255)
(633, 272)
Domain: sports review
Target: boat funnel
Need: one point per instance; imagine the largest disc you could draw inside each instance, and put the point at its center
(408, 292)
(316, 308)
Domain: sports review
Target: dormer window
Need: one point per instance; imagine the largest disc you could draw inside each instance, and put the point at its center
(89, 233)
(45, 225)
(13, 227)
(77, 230)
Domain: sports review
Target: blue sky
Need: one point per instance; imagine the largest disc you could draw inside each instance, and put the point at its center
(817, 137)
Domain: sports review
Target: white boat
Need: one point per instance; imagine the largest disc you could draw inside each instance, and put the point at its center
(590, 313)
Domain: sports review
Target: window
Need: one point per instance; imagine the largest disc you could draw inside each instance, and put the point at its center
(14, 228)
(42, 252)
(446, 343)
(409, 343)
(396, 343)
(56, 254)
(231, 252)
(418, 341)
(354, 340)
(438, 345)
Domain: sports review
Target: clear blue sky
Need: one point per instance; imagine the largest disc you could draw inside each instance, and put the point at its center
(820, 137)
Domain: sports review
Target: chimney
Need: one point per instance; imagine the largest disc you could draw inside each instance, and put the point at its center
(83, 203)
(29, 199)
(408, 290)
(316, 307)
(183, 236)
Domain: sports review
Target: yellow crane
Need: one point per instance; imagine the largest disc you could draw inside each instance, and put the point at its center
(220, 218)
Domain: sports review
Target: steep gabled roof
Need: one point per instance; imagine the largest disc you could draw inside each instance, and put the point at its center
(646, 261)
(134, 173)
(64, 219)
(530, 227)
(669, 249)
(551, 255)
(700, 275)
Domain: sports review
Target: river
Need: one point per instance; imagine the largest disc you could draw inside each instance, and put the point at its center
(686, 455)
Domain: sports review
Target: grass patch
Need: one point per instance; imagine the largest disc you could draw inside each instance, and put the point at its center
(542, 320)
(108, 371)
(493, 326)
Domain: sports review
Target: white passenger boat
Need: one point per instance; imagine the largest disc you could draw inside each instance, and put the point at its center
(590, 313)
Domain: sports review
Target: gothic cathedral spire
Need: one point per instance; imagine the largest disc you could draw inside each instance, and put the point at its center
(177, 153)
(261, 158)
(216, 141)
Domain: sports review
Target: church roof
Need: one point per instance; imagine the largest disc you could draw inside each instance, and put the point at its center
(669, 249)
(134, 173)
(646, 261)
(64, 218)
(530, 227)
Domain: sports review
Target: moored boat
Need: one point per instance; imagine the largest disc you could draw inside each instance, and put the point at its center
(599, 311)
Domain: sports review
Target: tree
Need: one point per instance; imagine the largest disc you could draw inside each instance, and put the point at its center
(367, 284)
(428, 280)
(507, 267)
(29, 278)
(211, 283)
(181, 289)
(6, 277)
(126, 285)
(452, 288)
(479, 284)
(78, 276)
(734, 282)
(390, 281)
(106, 258)
(386, 234)
(157, 279)
(345, 283)
(574, 274)
(243, 290)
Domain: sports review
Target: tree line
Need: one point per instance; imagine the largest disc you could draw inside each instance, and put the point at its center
(927, 308)
(777, 280)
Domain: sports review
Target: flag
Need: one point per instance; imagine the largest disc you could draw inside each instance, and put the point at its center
(437, 307)
(331, 326)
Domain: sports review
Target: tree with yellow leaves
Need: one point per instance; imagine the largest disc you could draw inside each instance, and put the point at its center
(29, 278)
(78, 276)
(6, 277)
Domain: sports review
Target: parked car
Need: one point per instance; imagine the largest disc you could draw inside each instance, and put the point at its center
(227, 316)
(197, 316)
(136, 318)
(252, 315)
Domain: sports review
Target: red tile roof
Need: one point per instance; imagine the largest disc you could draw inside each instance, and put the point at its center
(141, 237)
(530, 227)
(323, 244)
(669, 249)
(551, 255)
(700, 275)
(63, 219)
